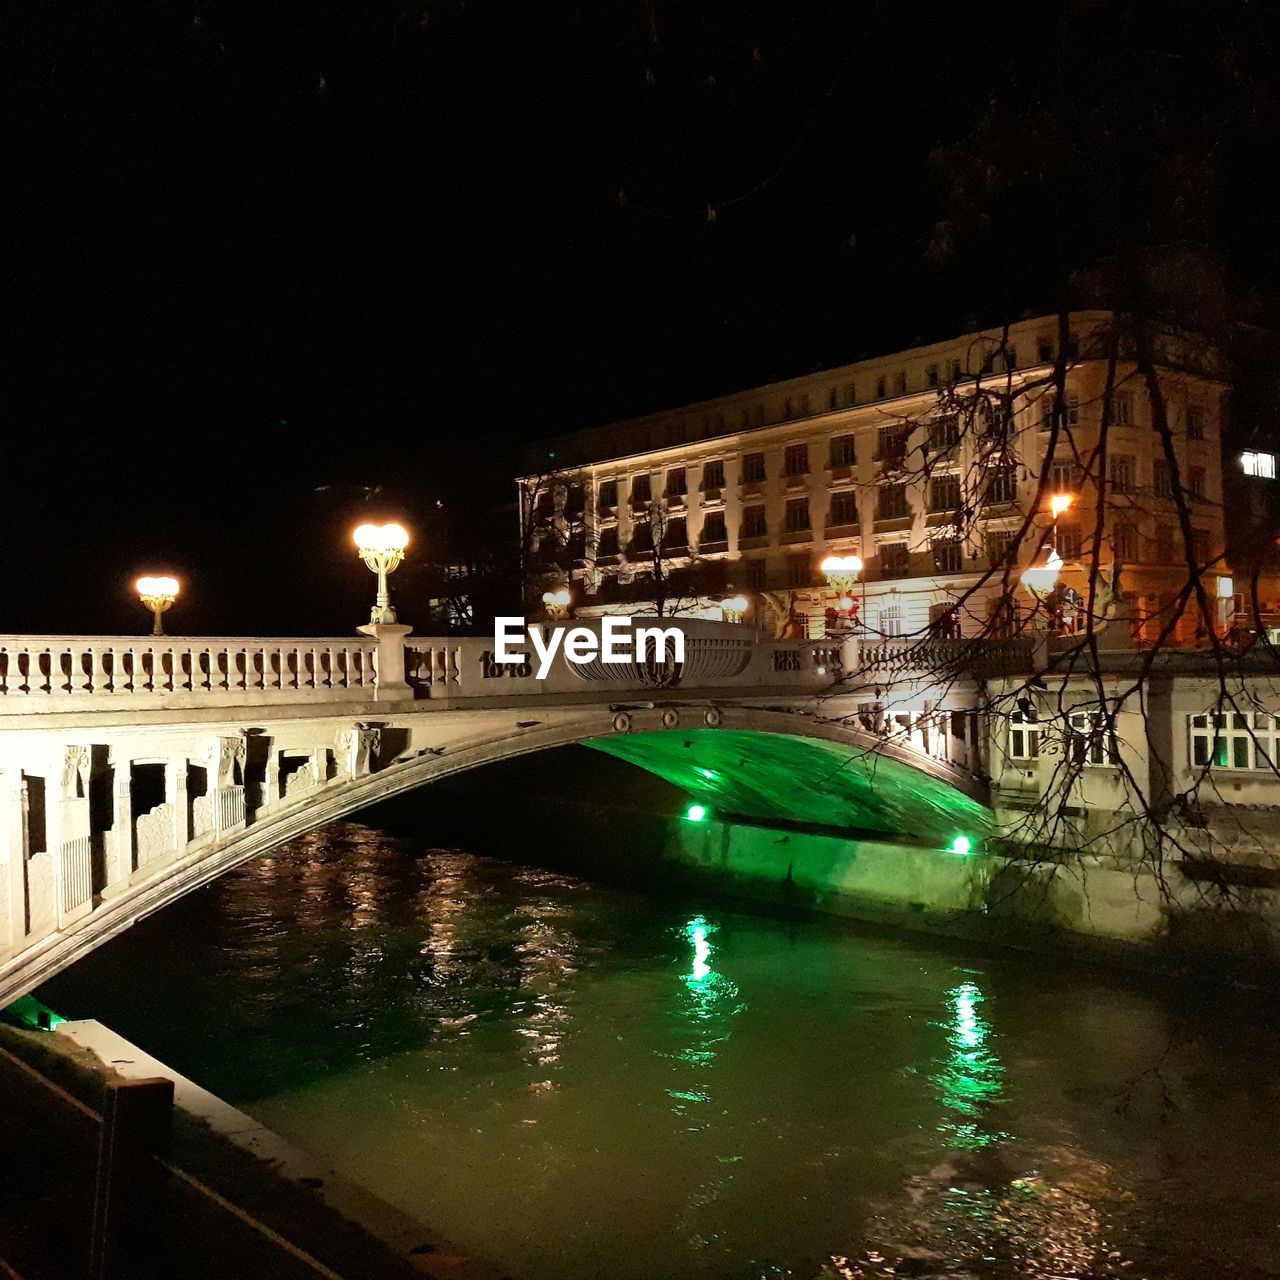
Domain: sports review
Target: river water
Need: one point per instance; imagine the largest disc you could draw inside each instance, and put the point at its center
(576, 1079)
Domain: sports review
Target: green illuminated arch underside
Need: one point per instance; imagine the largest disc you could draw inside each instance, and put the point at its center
(805, 780)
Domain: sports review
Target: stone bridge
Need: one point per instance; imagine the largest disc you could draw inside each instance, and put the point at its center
(135, 770)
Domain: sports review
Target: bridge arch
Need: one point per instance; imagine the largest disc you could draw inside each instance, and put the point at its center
(760, 763)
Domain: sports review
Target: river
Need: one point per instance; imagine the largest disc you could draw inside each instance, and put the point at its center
(574, 1078)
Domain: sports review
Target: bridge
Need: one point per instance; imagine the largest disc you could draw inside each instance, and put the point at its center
(133, 770)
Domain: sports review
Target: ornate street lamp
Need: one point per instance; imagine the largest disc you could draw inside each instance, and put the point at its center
(158, 594)
(557, 603)
(734, 607)
(381, 547)
(841, 572)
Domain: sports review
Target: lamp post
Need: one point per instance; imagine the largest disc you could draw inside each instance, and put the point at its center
(158, 594)
(381, 547)
(557, 603)
(733, 608)
(842, 574)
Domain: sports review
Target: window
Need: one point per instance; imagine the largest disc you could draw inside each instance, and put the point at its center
(676, 537)
(944, 433)
(999, 543)
(1044, 350)
(1089, 741)
(844, 508)
(1011, 357)
(1195, 423)
(956, 371)
(895, 561)
(1200, 546)
(853, 393)
(1235, 741)
(1120, 472)
(755, 524)
(676, 485)
(799, 572)
(757, 574)
(608, 545)
(641, 538)
(880, 388)
(832, 398)
(843, 451)
(944, 493)
(641, 490)
(796, 517)
(891, 618)
(900, 382)
(892, 442)
(1195, 481)
(931, 376)
(946, 555)
(1160, 481)
(1165, 552)
(713, 530)
(1024, 737)
(713, 475)
(891, 502)
(1124, 542)
(795, 460)
(1069, 541)
(1258, 464)
(804, 405)
(1002, 483)
(1070, 414)
(1121, 409)
(1064, 477)
(753, 468)
(608, 494)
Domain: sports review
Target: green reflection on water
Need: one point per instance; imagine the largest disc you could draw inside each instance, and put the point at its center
(972, 1078)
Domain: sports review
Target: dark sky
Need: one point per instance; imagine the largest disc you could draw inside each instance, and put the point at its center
(253, 249)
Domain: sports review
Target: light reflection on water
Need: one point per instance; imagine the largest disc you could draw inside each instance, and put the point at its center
(575, 1080)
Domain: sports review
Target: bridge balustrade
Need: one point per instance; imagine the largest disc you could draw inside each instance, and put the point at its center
(66, 672)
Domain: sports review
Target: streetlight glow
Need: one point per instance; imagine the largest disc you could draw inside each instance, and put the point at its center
(557, 603)
(381, 547)
(962, 845)
(696, 813)
(1059, 503)
(734, 607)
(1041, 579)
(158, 594)
(841, 571)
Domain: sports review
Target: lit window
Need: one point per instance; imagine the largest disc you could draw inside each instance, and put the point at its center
(1236, 740)
(843, 451)
(946, 555)
(1024, 737)
(895, 562)
(1259, 464)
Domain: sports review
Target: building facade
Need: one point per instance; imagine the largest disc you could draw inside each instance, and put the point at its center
(935, 466)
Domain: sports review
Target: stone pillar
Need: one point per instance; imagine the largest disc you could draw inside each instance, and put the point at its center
(13, 857)
(73, 847)
(271, 783)
(357, 749)
(392, 686)
(118, 842)
(175, 793)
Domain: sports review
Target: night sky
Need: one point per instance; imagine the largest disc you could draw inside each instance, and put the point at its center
(270, 266)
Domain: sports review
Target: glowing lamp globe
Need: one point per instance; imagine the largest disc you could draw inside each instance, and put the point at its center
(1059, 503)
(841, 571)
(734, 608)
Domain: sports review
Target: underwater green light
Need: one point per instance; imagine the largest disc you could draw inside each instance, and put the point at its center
(695, 812)
(962, 845)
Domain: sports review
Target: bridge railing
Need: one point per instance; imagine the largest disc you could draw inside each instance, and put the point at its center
(717, 655)
(902, 656)
(50, 673)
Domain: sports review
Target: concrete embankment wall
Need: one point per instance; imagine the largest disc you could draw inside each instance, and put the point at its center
(1079, 904)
